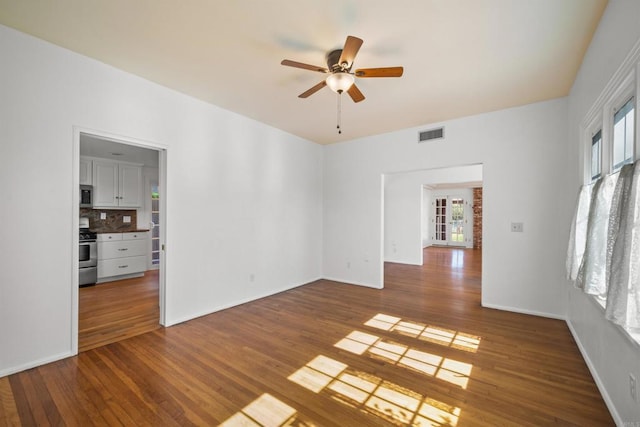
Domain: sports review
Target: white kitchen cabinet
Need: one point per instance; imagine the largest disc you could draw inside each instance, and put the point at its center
(121, 255)
(116, 184)
(86, 171)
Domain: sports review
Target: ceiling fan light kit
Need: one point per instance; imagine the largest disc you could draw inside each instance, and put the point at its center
(341, 79)
(340, 82)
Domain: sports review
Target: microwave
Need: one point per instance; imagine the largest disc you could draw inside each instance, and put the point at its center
(86, 196)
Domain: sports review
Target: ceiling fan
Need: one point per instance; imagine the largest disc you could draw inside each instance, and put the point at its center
(341, 78)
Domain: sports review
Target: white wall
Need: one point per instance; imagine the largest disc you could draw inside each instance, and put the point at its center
(243, 198)
(402, 220)
(404, 214)
(523, 153)
(611, 355)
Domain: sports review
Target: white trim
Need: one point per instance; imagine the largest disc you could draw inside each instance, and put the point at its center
(587, 136)
(594, 373)
(624, 84)
(618, 98)
(347, 282)
(405, 262)
(621, 329)
(75, 240)
(35, 363)
(636, 150)
(238, 302)
(524, 311)
(628, 66)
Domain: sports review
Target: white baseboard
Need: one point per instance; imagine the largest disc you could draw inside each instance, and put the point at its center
(34, 364)
(347, 282)
(402, 261)
(596, 378)
(215, 309)
(524, 311)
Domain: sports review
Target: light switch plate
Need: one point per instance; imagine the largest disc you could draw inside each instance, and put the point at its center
(126, 219)
(103, 215)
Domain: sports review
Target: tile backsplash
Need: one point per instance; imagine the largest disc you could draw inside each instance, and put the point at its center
(114, 221)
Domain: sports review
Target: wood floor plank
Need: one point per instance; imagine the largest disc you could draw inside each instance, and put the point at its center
(8, 410)
(421, 351)
(113, 311)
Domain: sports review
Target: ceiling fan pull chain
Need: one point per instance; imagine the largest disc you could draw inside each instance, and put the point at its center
(339, 112)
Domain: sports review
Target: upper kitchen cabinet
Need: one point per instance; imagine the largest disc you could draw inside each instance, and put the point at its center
(86, 173)
(116, 184)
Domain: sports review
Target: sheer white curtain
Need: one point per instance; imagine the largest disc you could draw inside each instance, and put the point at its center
(623, 295)
(592, 275)
(578, 233)
(603, 257)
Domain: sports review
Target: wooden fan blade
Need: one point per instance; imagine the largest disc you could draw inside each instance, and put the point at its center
(379, 72)
(295, 64)
(313, 90)
(355, 93)
(350, 50)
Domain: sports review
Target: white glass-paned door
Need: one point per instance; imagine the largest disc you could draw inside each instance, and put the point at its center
(456, 221)
(449, 221)
(440, 219)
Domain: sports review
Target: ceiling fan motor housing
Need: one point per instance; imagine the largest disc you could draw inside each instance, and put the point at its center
(333, 61)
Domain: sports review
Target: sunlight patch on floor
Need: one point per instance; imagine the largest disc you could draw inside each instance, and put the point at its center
(434, 334)
(265, 411)
(452, 371)
(374, 395)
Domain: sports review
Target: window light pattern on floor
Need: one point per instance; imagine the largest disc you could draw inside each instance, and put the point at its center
(374, 395)
(434, 334)
(449, 370)
(266, 411)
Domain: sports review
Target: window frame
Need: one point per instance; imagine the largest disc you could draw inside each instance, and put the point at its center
(598, 134)
(615, 167)
(625, 90)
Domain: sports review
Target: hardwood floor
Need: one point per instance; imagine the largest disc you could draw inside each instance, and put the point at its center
(420, 352)
(113, 311)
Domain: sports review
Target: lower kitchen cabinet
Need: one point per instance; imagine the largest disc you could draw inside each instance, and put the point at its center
(121, 255)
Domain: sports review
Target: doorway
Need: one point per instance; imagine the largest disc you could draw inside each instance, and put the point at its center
(414, 201)
(128, 302)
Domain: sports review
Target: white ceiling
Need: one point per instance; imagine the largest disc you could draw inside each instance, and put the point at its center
(105, 148)
(461, 57)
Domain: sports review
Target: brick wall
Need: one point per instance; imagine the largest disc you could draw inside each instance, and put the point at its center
(477, 218)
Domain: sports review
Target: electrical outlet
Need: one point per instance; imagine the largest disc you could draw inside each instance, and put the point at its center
(517, 227)
(632, 387)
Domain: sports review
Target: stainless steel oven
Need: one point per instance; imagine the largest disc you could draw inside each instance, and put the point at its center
(88, 258)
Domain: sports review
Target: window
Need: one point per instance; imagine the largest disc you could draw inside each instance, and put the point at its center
(623, 129)
(609, 148)
(596, 155)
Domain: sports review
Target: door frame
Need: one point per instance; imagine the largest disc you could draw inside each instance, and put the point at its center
(163, 152)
